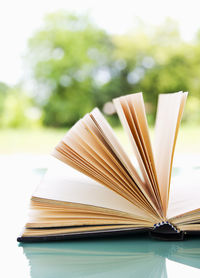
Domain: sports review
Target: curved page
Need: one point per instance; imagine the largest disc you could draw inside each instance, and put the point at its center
(169, 113)
(64, 183)
(184, 193)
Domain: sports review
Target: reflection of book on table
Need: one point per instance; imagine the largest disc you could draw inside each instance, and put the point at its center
(130, 257)
(105, 194)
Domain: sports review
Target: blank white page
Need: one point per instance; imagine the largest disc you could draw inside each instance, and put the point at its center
(184, 193)
(63, 183)
(170, 109)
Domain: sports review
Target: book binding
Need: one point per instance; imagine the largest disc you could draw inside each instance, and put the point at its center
(166, 231)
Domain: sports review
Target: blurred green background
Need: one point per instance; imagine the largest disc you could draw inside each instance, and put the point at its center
(74, 66)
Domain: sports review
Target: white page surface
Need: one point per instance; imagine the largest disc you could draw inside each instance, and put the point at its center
(64, 183)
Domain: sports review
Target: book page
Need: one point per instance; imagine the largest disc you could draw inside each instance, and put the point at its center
(114, 143)
(129, 127)
(169, 113)
(64, 183)
(131, 111)
(87, 148)
(184, 193)
(111, 139)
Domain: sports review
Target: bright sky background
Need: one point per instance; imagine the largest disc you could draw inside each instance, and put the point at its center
(19, 19)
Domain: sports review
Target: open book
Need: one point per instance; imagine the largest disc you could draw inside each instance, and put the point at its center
(105, 193)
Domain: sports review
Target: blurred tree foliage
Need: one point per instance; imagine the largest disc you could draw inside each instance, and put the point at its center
(3, 94)
(76, 66)
(16, 108)
(158, 61)
(70, 58)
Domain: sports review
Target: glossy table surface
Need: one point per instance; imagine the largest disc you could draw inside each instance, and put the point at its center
(136, 256)
(130, 256)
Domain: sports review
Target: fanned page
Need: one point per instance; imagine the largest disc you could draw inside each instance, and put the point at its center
(131, 111)
(91, 147)
(168, 118)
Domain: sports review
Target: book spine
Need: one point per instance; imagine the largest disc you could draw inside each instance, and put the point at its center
(166, 231)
